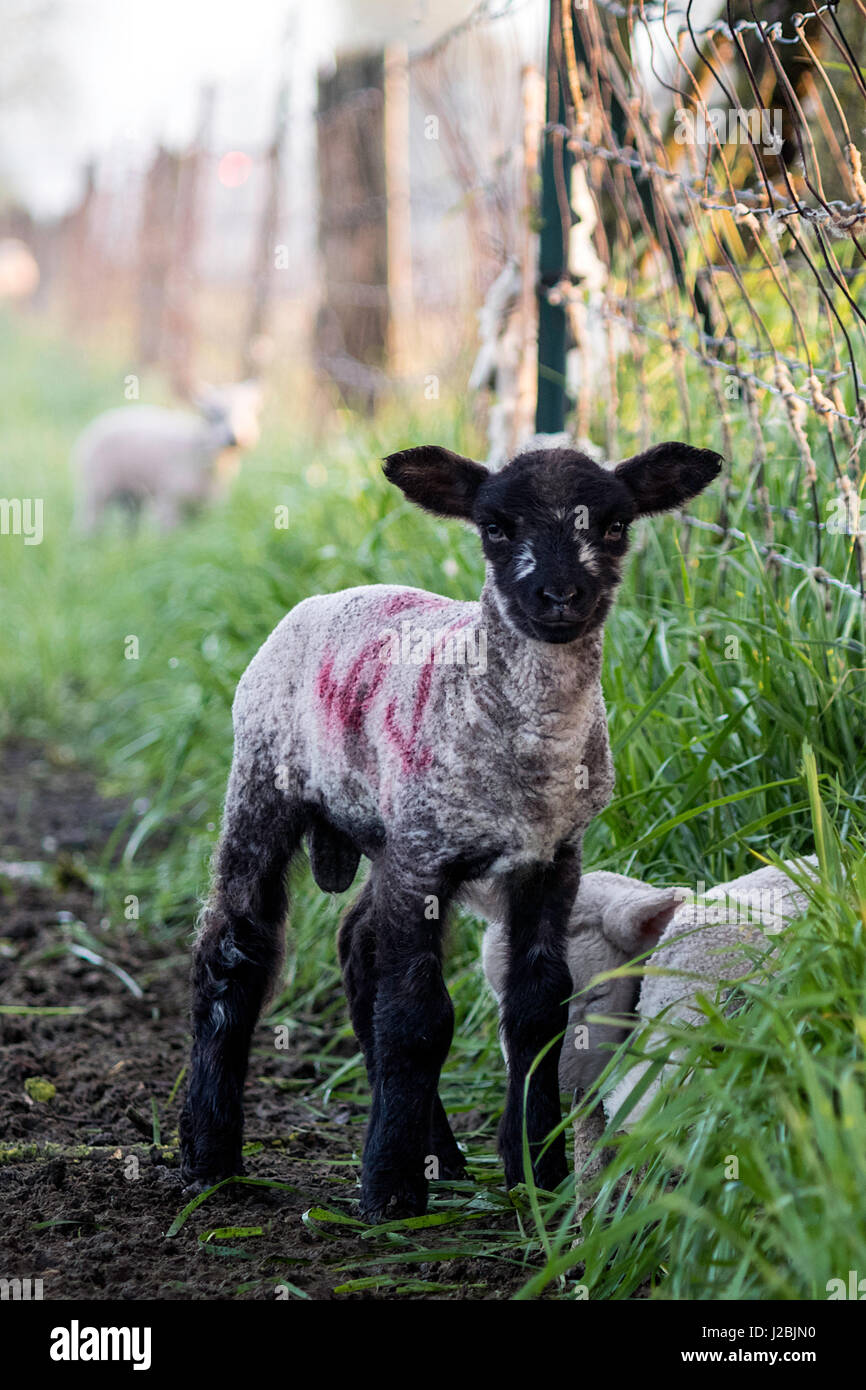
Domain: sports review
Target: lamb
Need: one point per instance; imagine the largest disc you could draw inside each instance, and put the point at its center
(614, 920)
(705, 938)
(169, 460)
(445, 741)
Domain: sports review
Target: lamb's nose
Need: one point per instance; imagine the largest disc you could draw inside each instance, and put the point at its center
(560, 600)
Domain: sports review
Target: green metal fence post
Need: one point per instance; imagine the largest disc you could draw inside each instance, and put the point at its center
(556, 162)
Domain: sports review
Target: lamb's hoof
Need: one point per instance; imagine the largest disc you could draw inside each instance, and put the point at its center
(197, 1176)
(453, 1171)
(393, 1201)
(549, 1172)
(450, 1162)
(208, 1154)
(195, 1186)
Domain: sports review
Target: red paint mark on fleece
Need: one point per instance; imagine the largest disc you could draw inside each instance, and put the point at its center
(413, 758)
(346, 702)
(398, 603)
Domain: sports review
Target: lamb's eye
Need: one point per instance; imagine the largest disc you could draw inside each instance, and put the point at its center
(494, 531)
(615, 531)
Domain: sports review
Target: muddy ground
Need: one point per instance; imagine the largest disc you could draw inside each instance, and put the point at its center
(86, 1196)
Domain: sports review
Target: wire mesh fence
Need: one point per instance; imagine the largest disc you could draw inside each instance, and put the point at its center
(358, 234)
(428, 205)
(713, 208)
(681, 192)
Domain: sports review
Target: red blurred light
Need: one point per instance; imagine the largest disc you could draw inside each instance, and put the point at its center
(234, 169)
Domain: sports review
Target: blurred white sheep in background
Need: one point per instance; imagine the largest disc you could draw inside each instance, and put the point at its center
(167, 461)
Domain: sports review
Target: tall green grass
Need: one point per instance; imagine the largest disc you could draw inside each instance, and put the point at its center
(718, 671)
(744, 1178)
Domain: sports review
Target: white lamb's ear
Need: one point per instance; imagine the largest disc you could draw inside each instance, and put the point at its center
(636, 914)
(208, 401)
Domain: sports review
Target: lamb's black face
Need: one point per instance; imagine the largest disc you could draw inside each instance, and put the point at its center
(554, 526)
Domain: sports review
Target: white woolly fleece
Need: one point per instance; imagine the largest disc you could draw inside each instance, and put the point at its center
(348, 703)
(705, 939)
(617, 918)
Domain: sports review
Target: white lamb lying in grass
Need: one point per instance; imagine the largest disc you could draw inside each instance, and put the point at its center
(170, 461)
(615, 919)
(704, 944)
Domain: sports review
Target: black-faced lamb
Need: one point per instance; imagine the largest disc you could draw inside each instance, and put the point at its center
(369, 723)
(168, 461)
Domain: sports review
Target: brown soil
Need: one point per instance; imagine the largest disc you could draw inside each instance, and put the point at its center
(86, 1197)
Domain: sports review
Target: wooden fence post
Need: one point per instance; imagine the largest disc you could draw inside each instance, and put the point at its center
(155, 250)
(398, 194)
(78, 269)
(352, 324)
(263, 273)
(179, 329)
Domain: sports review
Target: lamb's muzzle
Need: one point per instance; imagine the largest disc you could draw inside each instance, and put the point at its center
(369, 723)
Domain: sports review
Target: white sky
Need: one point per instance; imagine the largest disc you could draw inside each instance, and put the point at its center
(131, 70)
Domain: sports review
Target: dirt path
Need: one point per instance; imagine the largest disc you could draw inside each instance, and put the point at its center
(86, 1196)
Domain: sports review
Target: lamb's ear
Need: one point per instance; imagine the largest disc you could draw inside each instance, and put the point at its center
(209, 401)
(436, 479)
(667, 475)
(635, 917)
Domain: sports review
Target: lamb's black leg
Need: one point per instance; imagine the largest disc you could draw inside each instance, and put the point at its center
(537, 988)
(357, 951)
(450, 1161)
(413, 1021)
(236, 957)
(356, 947)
